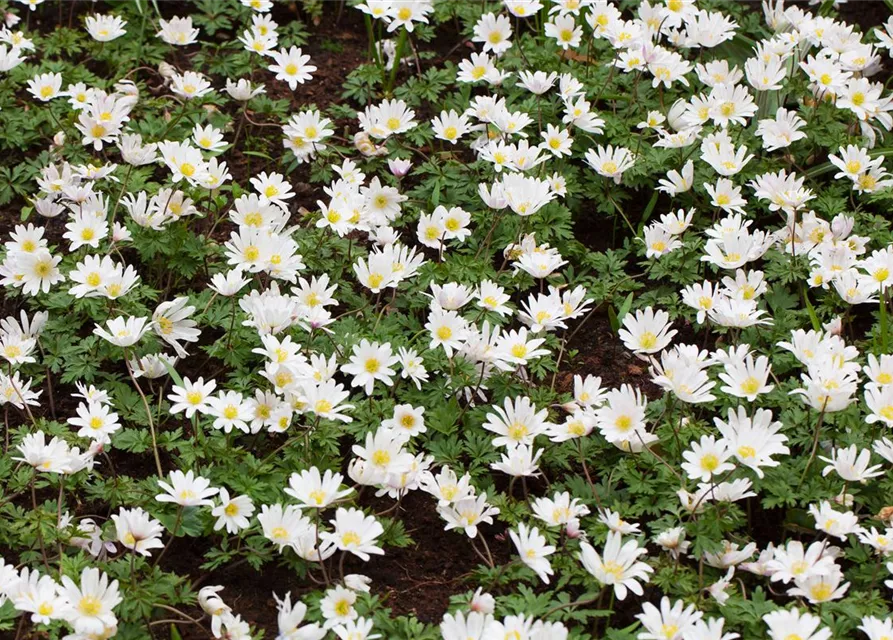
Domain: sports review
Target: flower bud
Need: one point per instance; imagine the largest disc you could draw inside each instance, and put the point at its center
(399, 167)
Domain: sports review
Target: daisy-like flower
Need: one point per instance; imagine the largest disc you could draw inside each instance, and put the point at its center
(290, 619)
(446, 486)
(818, 588)
(137, 530)
(370, 362)
(753, 441)
(448, 330)
(33, 593)
(123, 332)
(670, 622)
(532, 548)
(407, 420)
(92, 601)
(105, 28)
(880, 404)
(337, 606)
(242, 89)
(851, 464)
(609, 161)
(233, 513)
(96, 421)
(404, 13)
(834, 523)
(565, 31)
(283, 527)
(517, 422)
(450, 126)
(747, 377)
(325, 400)
(191, 85)
(459, 626)
(187, 490)
(291, 66)
(229, 410)
(33, 272)
(618, 566)
(786, 623)
(178, 31)
(171, 321)
(615, 523)
(355, 532)
(646, 331)
(707, 458)
(622, 416)
(45, 86)
(316, 491)
(468, 514)
(518, 348)
(494, 32)
(559, 510)
(192, 396)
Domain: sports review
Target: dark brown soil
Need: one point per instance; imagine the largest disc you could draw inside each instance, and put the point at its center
(416, 580)
(601, 353)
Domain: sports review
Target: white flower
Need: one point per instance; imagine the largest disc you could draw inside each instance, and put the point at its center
(232, 513)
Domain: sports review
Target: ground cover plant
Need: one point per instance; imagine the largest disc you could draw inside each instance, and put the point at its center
(534, 319)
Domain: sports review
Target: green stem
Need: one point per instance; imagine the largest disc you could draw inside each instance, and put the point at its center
(398, 55)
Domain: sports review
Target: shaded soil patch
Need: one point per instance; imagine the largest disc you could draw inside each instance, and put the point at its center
(601, 353)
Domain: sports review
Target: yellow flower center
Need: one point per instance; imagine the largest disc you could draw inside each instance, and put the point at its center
(350, 538)
(43, 268)
(623, 423)
(750, 386)
(821, 591)
(517, 431)
(709, 462)
(342, 608)
(669, 630)
(279, 533)
(322, 406)
(647, 340)
(90, 606)
(613, 569)
(166, 325)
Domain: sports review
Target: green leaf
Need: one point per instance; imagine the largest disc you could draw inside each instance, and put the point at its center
(258, 154)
